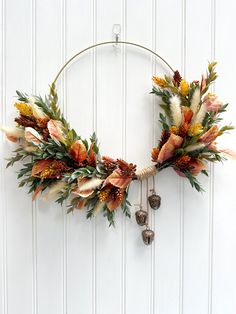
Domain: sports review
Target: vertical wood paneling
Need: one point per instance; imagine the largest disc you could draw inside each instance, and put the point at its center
(79, 92)
(109, 129)
(196, 207)
(168, 219)
(16, 206)
(54, 263)
(224, 232)
(3, 272)
(49, 246)
(138, 145)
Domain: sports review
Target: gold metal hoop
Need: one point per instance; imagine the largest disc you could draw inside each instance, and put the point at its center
(108, 43)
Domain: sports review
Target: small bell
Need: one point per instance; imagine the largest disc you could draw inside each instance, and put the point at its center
(148, 236)
(141, 217)
(154, 200)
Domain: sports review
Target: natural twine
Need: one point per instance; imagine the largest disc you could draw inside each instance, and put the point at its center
(145, 173)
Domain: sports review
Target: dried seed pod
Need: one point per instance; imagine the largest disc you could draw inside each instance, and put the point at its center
(148, 236)
(141, 217)
(154, 201)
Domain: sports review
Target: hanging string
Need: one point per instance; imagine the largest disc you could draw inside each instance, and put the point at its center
(147, 224)
(146, 172)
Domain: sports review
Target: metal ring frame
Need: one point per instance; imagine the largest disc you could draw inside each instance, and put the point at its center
(108, 43)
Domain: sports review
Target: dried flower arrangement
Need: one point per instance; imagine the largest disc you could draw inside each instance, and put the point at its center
(59, 163)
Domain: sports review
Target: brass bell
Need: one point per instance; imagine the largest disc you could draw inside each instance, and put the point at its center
(141, 217)
(154, 201)
(148, 236)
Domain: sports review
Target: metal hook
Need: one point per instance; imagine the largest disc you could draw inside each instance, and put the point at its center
(116, 32)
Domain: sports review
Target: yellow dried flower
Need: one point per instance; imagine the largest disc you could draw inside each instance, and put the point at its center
(174, 129)
(104, 194)
(184, 88)
(47, 173)
(195, 129)
(24, 108)
(159, 81)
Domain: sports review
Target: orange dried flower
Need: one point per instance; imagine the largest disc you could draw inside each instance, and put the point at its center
(174, 129)
(183, 129)
(155, 153)
(49, 169)
(182, 161)
(159, 81)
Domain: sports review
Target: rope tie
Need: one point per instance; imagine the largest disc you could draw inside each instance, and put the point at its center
(146, 172)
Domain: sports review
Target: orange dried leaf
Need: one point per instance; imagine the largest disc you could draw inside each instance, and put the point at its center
(78, 151)
(155, 153)
(116, 179)
(168, 149)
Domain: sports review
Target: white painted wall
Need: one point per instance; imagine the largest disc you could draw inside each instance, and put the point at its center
(54, 263)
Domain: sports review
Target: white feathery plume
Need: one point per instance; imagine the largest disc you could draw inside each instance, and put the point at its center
(176, 110)
(91, 184)
(98, 207)
(200, 115)
(194, 147)
(195, 101)
(12, 131)
(53, 191)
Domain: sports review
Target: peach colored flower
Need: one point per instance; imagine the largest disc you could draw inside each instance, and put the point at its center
(32, 136)
(212, 102)
(208, 137)
(55, 128)
(168, 149)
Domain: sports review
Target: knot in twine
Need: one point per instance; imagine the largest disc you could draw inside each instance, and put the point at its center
(146, 172)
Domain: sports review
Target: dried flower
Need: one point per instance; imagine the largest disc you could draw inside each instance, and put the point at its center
(160, 81)
(13, 134)
(56, 130)
(174, 129)
(177, 78)
(176, 110)
(208, 137)
(184, 88)
(168, 149)
(29, 121)
(200, 115)
(187, 115)
(24, 109)
(182, 162)
(195, 129)
(155, 153)
(212, 102)
(203, 84)
(78, 151)
(194, 147)
(49, 169)
(195, 100)
(32, 136)
(183, 129)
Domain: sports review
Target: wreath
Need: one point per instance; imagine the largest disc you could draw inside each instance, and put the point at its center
(60, 163)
